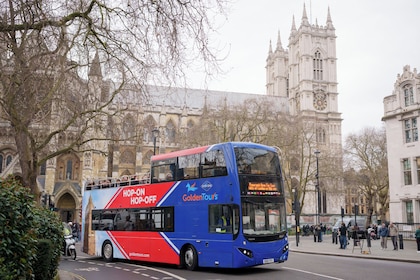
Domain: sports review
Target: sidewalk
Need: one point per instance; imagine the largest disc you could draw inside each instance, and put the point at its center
(327, 247)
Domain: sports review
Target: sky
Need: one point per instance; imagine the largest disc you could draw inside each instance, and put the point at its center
(375, 40)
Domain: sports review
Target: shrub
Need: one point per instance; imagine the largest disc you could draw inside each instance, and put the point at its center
(43, 260)
(49, 227)
(17, 231)
(27, 234)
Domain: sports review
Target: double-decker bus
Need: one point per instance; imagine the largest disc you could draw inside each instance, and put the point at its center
(220, 205)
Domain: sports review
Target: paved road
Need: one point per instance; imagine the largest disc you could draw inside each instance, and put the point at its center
(327, 247)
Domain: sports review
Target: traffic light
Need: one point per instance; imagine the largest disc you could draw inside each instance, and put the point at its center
(44, 200)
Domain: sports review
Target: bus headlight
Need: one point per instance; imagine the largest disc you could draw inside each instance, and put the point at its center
(286, 248)
(246, 252)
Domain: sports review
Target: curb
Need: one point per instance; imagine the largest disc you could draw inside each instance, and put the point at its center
(365, 256)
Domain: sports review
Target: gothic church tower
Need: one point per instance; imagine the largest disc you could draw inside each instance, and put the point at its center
(306, 74)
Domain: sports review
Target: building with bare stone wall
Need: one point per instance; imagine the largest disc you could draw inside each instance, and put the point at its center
(301, 82)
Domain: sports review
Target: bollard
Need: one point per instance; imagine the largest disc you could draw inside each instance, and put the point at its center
(368, 240)
(400, 236)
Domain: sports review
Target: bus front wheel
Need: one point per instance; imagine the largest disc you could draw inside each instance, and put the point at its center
(107, 251)
(190, 258)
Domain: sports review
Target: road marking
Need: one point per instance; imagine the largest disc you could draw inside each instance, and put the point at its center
(158, 270)
(312, 273)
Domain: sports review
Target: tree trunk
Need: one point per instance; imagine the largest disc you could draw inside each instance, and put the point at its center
(28, 162)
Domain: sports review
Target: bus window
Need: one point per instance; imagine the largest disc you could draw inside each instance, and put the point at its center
(190, 166)
(163, 170)
(213, 164)
(224, 218)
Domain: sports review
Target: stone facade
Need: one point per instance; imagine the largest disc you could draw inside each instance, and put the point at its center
(301, 82)
(402, 118)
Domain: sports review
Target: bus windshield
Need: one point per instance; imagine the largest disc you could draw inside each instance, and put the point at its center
(262, 219)
(259, 174)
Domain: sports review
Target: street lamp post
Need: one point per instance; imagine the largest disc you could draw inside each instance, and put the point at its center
(296, 206)
(155, 133)
(318, 208)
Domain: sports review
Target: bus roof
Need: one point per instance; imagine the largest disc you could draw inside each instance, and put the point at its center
(180, 153)
(202, 149)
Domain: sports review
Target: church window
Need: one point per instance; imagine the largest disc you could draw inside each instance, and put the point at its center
(408, 95)
(317, 65)
(411, 130)
(129, 127)
(407, 171)
(149, 126)
(69, 171)
(8, 160)
(320, 135)
(170, 132)
(43, 169)
(128, 157)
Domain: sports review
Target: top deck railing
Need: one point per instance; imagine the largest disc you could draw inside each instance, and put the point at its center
(126, 180)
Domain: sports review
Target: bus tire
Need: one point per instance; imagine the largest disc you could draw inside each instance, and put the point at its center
(107, 251)
(190, 258)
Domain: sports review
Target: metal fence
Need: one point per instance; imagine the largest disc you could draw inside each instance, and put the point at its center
(407, 230)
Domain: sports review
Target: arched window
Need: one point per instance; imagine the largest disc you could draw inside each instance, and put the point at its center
(408, 95)
(317, 64)
(8, 160)
(320, 135)
(170, 132)
(128, 157)
(1, 163)
(129, 127)
(149, 125)
(69, 169)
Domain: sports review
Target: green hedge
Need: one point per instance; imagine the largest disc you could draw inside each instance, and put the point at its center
(22, 225)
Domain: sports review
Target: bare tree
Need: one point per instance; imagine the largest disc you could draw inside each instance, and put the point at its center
(52, 54)
(366, 154)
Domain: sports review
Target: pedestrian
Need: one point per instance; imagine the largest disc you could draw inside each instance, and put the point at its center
(343, 236)
(417, 236)
(393, 233)
(383, 233)
(75, 231)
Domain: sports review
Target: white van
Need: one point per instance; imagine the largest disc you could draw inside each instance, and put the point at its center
(349, 222)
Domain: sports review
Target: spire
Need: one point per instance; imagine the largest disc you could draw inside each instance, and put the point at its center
(304, 16)
(270, 49)
(329, 21)
(293, 24)
(95, 68)
(279, 46)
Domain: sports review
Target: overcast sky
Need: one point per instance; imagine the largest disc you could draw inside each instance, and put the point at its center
(375, 39)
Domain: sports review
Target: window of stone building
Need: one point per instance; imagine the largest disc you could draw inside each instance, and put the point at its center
(317, 65)
(407, 171)
(127, 157)
(149, 126)
(418, 169)
(129, 128)
(320, 135)
(409, 212)
(8, 160)
(411, 130)
(68, 168)
(408, 95)
(170, 132)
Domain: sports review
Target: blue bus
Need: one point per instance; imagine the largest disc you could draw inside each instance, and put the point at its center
(220, 205)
